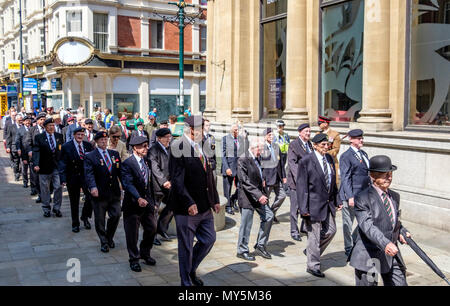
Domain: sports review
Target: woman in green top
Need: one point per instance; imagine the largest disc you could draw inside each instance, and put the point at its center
(137, 118)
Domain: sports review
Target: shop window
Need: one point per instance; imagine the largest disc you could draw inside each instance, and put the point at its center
(166, 105)
(125, 105)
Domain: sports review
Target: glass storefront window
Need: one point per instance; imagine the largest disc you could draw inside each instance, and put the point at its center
(342, 60)
(272, 8)
(76, 100)
(202, 103)
(430, 63)
(125, 105)
(166, 105)
(275, 48)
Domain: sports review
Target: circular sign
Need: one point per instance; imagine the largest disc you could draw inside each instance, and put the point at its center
(73, 53)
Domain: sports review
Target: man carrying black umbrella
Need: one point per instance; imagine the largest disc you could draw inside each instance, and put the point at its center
(377, 212)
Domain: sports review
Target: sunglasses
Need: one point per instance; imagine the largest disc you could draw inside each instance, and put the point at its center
(115, 137)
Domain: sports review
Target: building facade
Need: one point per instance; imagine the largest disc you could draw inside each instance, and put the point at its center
(117, 54)
(379, 65)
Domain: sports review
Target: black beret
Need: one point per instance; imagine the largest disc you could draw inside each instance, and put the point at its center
(41, 115)
(139, 123)
(100, 135)
(267, 131)
(320, 138)
(48, 121)
(303, 126)
(77, 130)
(34, 121)
(138, 140)
(195, 121)
(280, 123)
(164, 122)
(356, 133)
(163, 132)
(27, 118)
(89, 121)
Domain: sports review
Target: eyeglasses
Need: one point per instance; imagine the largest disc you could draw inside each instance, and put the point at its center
(115, 137)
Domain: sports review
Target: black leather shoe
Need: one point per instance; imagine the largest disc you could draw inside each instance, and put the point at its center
(263, 252)
(33, 193)
(316, 273)
(297, 237)
(86, 224)
(304, 252)
(149, 261)
(275, 220)
(57, 213)
(104, 248)
(76, 229)
(195, 280)
(136, 267)
(17, 178)
(246, 256)
(25, 185)
(38, 200)
(111, 244)
(47, 214)
(164, 236)
(230, 211)
(156, 242)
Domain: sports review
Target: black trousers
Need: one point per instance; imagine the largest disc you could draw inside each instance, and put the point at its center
(227, 187)
(131, 224)
(164, 218)
(26, 172)
(34, 182)
(74, 196)
(101, 207)
(15, 163)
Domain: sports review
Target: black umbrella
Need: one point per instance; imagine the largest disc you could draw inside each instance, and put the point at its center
(424, 256)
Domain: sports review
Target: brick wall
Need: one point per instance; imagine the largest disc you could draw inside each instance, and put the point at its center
(171, 37)
(129, 31)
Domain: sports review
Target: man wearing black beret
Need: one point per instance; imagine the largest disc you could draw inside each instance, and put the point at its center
(138, 205)
(317, 197)
(46, 155)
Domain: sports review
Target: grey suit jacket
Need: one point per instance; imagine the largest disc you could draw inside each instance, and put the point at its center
(375, 231)
(295, 154)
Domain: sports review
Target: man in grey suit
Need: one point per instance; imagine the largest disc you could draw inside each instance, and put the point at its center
(253, 196)
(377, 213)
(317, 196)
(298, 149)
(354, 167)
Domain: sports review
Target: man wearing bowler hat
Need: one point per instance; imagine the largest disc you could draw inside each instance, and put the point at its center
(192, 198)
(46, 155)
(298, 149)
(138, 205)
(102, 171)
(354, 168)
(378, 216)
(317, 197)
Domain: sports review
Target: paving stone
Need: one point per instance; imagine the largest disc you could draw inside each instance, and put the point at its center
(151, 281)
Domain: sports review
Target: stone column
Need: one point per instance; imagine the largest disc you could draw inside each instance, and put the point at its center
(376, 114)
(144, 97)
(195, 96)
(91, 95)
(69, 90)
(296, 69)
(211, 68)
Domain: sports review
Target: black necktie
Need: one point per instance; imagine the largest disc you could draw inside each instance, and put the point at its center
(52, 144)
(325, 170)
(144, 171)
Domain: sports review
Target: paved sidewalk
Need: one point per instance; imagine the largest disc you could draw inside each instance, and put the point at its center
(35, 250)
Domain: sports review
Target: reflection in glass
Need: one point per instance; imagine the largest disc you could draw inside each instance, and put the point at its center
(274, 7)
(430, 63)
(342, 56)
(166, 105)
(126, 105)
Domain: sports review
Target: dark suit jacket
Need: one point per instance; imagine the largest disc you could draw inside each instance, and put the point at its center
(160, 169)
(93, 134)
(20, 142)
(134, 186)
(273, 170)
(11, 137)
(295, 154)
(354, 174)
(43, 157)
(71, 166)
(251, 187)
(312, 194)
(231, 153)
(124, 137)
(375, 230)
(8, 123)
(98, 176)
(191, 184)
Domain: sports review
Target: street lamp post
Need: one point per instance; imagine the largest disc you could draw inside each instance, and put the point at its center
(19, 104)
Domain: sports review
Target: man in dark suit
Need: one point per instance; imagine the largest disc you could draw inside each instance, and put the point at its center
(354, 168)
(192, 197)
(90, 132)
(71, 169)
(232, 149)
(139, 132)
(46, 156)
(10, 120)
(298, 149)
(102, 171)
(21, 149)
(11, 145)
(159, 158)
(125, 131)
(273, 171)
(138, 206)
(253, 196)
(317, 197)
(379, 227)
(29, 143)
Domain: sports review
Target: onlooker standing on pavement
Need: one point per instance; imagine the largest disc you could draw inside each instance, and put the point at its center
(109, 119)
(102, 171)
(153, 113)
(317, 196)
(283, 140)
(11, 145)
(22, 151)
(71, 170)
(354, 164)
(151, 125)
(298, 149)
(253, 196)
(46, 155)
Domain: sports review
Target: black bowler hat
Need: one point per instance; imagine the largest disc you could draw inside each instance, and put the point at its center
(162, 132)
(267, 131)
(138, 140)
(356, 133)
(320, 138)
(48, 121)
(381, 163)
(303, 126)
(100, 135)
(139, 123)
(195, 121)
(89, 121)
(80, 129)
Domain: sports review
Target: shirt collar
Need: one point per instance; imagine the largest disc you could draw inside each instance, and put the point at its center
(379, 190)
(76, 143)
(193, 143)
(319, 156)
(137, 158)
(354, 149)
(101, 151)
(165, 149)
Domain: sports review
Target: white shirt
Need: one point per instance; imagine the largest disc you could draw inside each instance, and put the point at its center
(320, 158)
(138, 159)
(77, 146)
(107, 154)
(40, 129)
(362, 156)
(194, 144)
